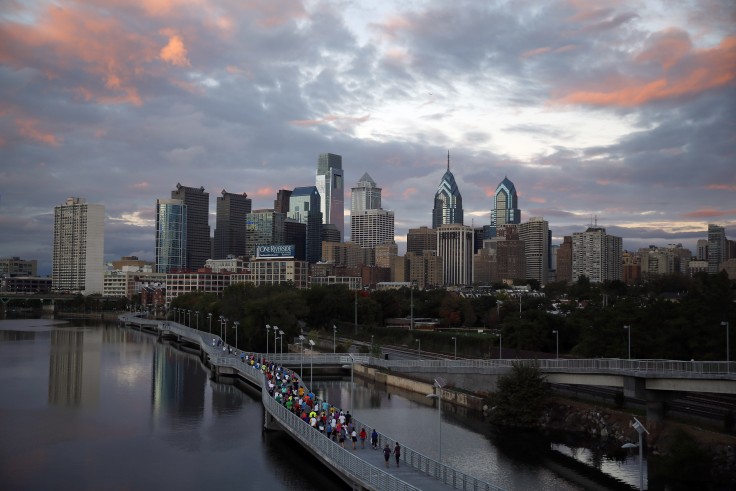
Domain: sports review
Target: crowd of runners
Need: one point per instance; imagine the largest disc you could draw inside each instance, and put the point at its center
(338, 425)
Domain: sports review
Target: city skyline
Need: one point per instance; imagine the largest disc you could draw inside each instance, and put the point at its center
(617, 110)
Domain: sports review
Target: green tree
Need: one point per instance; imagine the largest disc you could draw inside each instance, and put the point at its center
(519, 397)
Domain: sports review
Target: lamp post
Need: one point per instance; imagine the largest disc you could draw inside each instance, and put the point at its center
(225, 321)
(372, 344)
(189, 312)
(301, 362)
(728, 353)
(439, 383)
(281, 342)
(411, 293)
(628, 328)
(334, 334)
(454, 338)
(275, 333)
(500, 344)
(641, 430)
(209, 321)
(352, 366)
(419, 341)
(268, 330)
(196, 316)
(235, 325)
(311, 356)
(557, 336)
(355, 330)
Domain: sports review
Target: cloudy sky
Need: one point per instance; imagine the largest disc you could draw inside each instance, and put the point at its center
(620, 109)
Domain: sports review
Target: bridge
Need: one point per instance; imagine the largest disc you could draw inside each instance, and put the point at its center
(363, 470)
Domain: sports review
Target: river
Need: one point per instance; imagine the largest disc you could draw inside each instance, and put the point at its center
(88, 406)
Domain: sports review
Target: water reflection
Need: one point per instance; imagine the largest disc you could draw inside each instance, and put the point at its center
(74, 367)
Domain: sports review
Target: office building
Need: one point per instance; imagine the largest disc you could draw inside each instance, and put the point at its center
(263, 227)
(281, 203)
(15, 266)
(564, 260)
(230, 224)
(79, 246)
(198, 243)
(330, 185)
(448, 203)
(304, 207)
(505, 205)
(455, 247)
(421, 239)
(171, 235)
(535, 234)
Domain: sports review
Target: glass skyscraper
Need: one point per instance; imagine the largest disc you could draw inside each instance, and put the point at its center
(330, 185)
(448, 203)
(198, 244)
(304, 207)
(232, 210)
(171, 235)
(505, 205)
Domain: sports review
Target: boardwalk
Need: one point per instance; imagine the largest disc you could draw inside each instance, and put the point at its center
(361, 468)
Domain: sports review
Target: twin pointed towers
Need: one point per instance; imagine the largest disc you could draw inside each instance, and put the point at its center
(448, 202)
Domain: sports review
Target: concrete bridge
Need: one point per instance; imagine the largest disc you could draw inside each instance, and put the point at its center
(362, 470)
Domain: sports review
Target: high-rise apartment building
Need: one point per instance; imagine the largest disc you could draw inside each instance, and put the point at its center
(304, 207)
(281, 203)
(79, 247)
(455, 247)
(330, 185)
(171, 235)
(564, 260)
(535, 234)
(716, 247)
(596, 255)
(370, 225)
(232, 210)
(263, 227)
(702, 250)
(448, 203)
(198, 243)
(505, 205)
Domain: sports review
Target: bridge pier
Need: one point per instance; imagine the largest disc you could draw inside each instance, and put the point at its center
(270, 422)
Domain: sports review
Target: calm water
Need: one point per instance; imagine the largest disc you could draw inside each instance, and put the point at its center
(89, 407)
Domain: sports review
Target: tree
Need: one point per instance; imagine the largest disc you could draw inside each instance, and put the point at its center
(519, 397)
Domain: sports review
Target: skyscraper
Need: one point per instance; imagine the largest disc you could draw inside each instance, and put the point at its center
(505, 204)
(232, 210)
(198, 245)
(716, 247)
(79, 247)
(263, 227)
(171, 235)
(448, 203)
(596, 255)
(370, 225)
(535, 234)
(330, 187)
(421, 239)
(455, 247)
(304, 207)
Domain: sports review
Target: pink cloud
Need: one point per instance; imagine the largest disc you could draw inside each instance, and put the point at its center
(265, 192)
(29, 129)
(537, 200)
(709, 213)
(174, 52)
(141, 185)
(535, 52)
(684, 71)
(721, 187)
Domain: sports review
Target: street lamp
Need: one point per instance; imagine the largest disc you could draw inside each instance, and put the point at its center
(628, 328)
(235, 325)
(311, 344)
(500, 344)
(641, 430)
(281, 342)
(352, 365)
(372, 344)
(275, 333)
(189, 312)
(454, 338)
(301, 362)
(557, 335)
(268, 330)
(196, 316)
(225, 321)
(419, 341)
(334, 334)
(728, 354)
(209, 321)
(439, 383)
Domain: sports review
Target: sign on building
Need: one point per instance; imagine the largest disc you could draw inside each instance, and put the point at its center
(275, 251)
